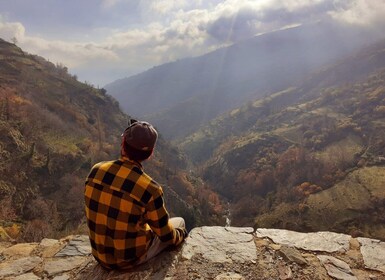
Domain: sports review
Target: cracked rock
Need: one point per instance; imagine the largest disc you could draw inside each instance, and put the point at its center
(219, 244)
(291, 254)
(57, 266)
(314, 241)
(336, 268)
(78, 246)
(18, 267)
(373, 252)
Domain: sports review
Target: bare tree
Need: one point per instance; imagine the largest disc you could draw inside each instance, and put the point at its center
(14, 40)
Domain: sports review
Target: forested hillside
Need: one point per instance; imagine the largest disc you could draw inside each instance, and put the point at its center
(53, 128)
(200, 145)
(311, 157)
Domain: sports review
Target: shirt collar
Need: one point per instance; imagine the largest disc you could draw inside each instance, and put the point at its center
(130, 161)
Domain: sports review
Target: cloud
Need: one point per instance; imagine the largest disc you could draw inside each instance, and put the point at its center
(134, 35)
(166, 6)
(243, 24)
(157, 44)
(72, 54)
(9, 30)
(107, 4)
(238, 20)
(360, 12)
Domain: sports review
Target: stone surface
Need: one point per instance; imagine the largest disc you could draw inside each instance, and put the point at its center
(60, 265)
(229, 276)
(292, 255)
(285, 272)
(315, 241)
(373, 252)
(27, 276)
(19, 250)
(221, 244)
(62, 277)
(241, 255)
(354, 244)
(336, 268)
(19, 266)
(47, 242)
(161, 267)
(48, 251)
(79, 246)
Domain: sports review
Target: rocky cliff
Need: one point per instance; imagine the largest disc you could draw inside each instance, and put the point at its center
(210, 253)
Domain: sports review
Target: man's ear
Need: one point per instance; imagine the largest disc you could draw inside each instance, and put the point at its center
(152, 153)
(122, 152)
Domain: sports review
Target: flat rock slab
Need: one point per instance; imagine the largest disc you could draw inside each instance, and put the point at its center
(27, 276)
(19, 267)
(78, 246)
(62, 277)
(221, 244)
(60, 265)
(322, 241)
(336, 268)
(291, 254)
(157, 268)
(19, 250)
(48, 242)
(373, 252)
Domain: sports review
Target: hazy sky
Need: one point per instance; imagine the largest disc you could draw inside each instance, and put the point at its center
(104, 40)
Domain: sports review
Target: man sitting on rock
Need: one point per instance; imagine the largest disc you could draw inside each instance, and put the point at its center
(126, 216)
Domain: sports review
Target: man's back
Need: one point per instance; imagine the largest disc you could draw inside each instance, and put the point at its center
(125, 209)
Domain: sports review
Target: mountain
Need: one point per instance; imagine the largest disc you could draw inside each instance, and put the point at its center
(200, 145)
(52, 130)
(307, 158)
(180, 96)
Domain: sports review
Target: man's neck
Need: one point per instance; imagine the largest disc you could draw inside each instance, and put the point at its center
(135, 162)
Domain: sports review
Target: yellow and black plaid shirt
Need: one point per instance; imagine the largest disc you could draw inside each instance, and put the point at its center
(124, 209)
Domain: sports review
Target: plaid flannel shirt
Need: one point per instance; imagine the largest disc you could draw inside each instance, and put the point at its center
(124, 210)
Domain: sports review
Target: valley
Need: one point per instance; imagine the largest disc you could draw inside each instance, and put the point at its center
(307, 155)
(287, 160)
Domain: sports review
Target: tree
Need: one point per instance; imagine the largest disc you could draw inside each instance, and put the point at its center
(14, 40)
(6, 109)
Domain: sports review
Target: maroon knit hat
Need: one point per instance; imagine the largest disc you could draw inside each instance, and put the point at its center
(140, 135)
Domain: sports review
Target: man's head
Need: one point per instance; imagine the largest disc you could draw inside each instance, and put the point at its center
(139, 140)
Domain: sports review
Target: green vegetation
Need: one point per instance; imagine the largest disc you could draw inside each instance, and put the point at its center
(277, 159)
(53, 128)
(307, 158)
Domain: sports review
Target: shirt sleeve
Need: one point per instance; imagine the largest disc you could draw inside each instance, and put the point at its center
(159, 221)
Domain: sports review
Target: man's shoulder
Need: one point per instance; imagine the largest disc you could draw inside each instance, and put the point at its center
(101, 168)
(149, 183)
(106, 164)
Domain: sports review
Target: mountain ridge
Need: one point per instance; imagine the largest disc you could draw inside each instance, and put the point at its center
(211, 84)
(333, 75)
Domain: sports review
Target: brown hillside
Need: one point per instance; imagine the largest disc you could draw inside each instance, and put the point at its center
(289, 151)
(53, 128)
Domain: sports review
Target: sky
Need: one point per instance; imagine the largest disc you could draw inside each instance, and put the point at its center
(104, 40)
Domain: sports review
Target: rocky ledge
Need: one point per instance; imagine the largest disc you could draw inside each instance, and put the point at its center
(219, 253)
